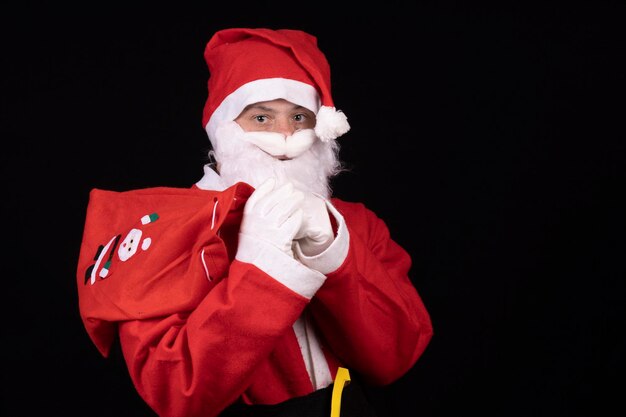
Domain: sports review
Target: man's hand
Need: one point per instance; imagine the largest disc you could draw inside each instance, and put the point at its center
(273, 215)
(316, 232)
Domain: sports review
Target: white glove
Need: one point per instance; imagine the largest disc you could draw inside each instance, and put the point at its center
(273, 215)
(316, 233)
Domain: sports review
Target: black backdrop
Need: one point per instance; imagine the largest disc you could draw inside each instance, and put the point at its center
(490, 139)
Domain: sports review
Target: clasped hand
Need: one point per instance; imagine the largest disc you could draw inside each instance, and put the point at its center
(284, 216)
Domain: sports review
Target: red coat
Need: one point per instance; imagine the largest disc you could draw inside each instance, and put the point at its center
(201, 329)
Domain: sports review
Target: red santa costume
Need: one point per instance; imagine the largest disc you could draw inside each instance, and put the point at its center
(208, 317)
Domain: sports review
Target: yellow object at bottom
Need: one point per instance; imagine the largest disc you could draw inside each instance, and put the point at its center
(341, 379)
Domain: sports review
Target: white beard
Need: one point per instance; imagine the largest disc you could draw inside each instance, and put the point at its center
(242, 160)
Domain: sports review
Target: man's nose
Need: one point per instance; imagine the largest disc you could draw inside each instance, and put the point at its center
(284, 127)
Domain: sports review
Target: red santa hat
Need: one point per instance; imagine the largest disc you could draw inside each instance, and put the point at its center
(251, 65)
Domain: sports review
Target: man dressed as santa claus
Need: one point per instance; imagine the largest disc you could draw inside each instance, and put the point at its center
(255, 291)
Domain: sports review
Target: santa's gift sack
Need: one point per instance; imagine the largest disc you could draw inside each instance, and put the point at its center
(151, 252)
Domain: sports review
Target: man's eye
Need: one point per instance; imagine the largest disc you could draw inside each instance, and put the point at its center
(299, 117)
(260, 119)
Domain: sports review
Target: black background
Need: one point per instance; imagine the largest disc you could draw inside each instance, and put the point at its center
(491, 140)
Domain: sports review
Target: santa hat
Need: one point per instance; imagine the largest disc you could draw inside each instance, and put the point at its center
(251, 65)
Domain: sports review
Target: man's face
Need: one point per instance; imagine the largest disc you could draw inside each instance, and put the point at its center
(281, 117)
(275, 139)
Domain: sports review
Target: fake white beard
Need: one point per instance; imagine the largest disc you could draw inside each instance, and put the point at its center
(241, 159)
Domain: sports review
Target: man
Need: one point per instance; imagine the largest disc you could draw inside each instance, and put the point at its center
(248, 292)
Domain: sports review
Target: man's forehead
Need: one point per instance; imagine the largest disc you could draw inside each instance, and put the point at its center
(274, 105)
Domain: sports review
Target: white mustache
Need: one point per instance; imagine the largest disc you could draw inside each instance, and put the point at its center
(277, 144)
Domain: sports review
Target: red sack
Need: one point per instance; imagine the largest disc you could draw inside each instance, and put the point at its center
(152, 252)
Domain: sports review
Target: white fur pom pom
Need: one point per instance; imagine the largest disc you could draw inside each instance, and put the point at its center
(331, 123)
